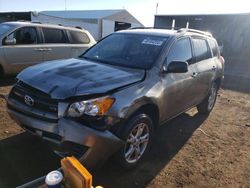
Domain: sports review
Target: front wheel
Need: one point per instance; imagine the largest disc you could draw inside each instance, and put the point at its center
(206, 106)
(137, 136)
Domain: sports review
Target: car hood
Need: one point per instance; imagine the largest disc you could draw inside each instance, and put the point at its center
(76, 77)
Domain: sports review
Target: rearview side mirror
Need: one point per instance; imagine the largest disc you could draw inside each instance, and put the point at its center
(10, 41)
(176, 67)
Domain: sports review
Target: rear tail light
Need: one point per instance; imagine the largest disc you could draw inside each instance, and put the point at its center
(222, 60)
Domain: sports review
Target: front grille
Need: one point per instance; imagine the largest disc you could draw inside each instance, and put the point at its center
(42, 102)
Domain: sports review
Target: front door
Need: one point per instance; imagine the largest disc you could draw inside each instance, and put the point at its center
(25, 52)
(179, 88)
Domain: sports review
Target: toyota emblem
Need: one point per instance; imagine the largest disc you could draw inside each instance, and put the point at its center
(28, 100)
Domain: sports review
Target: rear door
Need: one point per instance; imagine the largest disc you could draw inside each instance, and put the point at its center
(25, 52)
(205, 66)
(56, 45)
(179, 88)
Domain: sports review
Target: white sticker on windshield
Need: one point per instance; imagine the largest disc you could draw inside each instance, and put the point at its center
(152, 42)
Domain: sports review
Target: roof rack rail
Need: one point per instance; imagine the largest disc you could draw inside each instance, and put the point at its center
(78, 27)
(194, 31)
(169, 28)
(23, 21)
(37, 22)
(141, 28)
(29, 21)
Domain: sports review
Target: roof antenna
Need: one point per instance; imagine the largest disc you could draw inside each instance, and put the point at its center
(187, 25)
(173, 24)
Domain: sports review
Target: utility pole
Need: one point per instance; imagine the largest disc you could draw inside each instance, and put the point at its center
(156, 11)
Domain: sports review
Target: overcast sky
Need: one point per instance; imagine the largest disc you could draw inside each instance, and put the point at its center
(143, 10)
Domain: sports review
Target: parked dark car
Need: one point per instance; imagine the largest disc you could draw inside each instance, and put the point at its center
(110, 100)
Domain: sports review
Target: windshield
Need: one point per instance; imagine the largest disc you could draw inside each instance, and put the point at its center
(127, 50)
(4, 28)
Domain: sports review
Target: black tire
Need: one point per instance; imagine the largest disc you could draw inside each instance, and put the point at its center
(207, 105)
(133, 146)
(1, 72)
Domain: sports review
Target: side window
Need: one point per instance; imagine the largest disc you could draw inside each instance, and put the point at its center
(201, 49)
(77, 37)
(25, 35)
(180, 51)
(53, 35)
(214, 47)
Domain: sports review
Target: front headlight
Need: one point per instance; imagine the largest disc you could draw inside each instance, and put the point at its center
(93, 107)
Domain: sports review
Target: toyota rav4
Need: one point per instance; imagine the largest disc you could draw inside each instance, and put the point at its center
(110, 100)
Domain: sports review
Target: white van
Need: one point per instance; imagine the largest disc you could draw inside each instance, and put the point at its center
(25, 43)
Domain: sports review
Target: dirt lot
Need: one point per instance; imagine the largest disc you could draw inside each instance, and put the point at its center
(189, 151)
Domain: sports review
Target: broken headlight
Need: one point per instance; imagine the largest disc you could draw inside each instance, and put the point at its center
(93, 107)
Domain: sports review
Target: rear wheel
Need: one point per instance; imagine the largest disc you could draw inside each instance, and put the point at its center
(206, 106)
(137, 136)
(1, 72)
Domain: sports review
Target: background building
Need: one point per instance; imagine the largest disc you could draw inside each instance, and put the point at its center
(99, 23)
(14, 16)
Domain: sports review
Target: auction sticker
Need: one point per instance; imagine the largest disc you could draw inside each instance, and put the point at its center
(152, 42)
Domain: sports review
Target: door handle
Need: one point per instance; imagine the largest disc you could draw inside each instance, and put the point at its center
(214, 68)
(194, 75)
(39, 49)
(47, 49)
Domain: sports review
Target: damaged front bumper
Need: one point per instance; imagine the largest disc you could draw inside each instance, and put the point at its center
(100, 144)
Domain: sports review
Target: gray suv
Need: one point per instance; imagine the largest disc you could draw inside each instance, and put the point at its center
(111, 99)
(25, 43)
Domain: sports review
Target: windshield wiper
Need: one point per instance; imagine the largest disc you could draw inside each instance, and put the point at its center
(96, 60)
(88, 58)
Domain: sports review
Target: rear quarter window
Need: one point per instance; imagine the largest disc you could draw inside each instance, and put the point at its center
(201, 49)
(77, 37)
(214, 47)
(52, 35)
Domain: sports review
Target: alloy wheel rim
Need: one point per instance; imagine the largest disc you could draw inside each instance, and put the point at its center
(136, 143)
